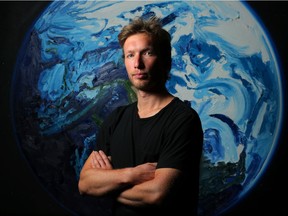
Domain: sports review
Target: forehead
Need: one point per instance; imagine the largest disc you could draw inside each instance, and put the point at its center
(138, 41)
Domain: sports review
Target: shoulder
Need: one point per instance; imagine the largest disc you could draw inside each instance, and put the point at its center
(124, 108)
(184, 116)
(183, 107)
(118, 113)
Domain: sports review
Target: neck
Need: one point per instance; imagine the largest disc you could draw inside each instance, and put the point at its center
(150, 104)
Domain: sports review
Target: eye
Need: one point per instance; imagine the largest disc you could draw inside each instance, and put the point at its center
(149, 53)
(129, 55)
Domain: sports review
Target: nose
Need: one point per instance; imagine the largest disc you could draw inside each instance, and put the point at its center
(138, 61)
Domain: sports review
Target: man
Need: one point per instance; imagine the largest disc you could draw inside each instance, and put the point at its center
(148, 153)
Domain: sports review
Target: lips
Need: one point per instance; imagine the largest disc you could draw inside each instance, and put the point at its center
(140, 75)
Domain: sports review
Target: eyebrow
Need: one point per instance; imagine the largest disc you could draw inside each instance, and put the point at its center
(150, 48)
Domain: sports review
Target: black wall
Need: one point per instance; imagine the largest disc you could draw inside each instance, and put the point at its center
(22, 194)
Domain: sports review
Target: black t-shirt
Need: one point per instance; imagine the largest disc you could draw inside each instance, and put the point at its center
(173, 138)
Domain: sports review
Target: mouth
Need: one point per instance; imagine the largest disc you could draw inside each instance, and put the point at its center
(140, 75)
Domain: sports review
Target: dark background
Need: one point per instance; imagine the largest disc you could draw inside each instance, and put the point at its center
(20, 191)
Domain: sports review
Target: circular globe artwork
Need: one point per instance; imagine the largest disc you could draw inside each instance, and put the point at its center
(70, 75)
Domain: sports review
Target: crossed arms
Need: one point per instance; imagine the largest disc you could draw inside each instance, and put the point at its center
(138, 186)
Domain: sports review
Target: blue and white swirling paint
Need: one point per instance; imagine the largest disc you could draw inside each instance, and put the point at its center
(70, 75)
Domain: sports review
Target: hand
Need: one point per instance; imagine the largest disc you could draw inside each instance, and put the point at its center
(144, 172)
(100, 160)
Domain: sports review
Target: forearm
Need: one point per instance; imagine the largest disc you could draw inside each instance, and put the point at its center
(151, 192)
(99, 182)
(98, 177)
(142, 194)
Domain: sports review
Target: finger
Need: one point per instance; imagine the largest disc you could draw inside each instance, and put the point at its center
(99, 159)
(92, 160)
(95, 162)
(104, 157)
(106, 160)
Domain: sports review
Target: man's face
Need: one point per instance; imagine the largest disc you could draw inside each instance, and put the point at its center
(141, 62)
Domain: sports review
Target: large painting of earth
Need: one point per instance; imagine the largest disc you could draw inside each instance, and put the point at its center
(70, 75)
